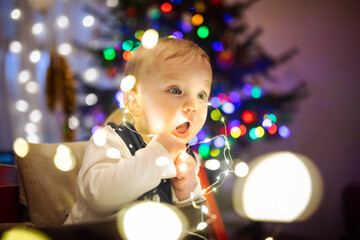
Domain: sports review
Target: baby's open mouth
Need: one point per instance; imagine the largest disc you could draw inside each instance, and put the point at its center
(182, 129)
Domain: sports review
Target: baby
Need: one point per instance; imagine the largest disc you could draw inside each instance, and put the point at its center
(168, 107)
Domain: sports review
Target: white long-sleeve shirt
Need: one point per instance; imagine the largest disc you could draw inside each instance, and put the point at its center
(106, 184)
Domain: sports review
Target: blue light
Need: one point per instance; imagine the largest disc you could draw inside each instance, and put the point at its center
(247, 88)
(284, 132)
(215, 102)
(119, 96)
(228, 18)
(201, 135)
(217, 46)
(228, 108)
(193, 141)
(219, 142)
(178, 35)
(234, 123)
(184, 26)
(235, 97)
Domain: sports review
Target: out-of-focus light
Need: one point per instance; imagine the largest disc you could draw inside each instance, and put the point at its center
(228, 108)
(204, 150)
(271, 116)
(203, 32)
(21, 147)
(259, 132)
(91, 74)
(162, 161)
(99, 137)
(234, 96)
(127, 83)
(217, 46)
(119, 96)
(212, 164)
(215, 102)
(139, 33)
(272, 130)
(112, 3)
(228, 18)
(64, 49)
(256, 92)
(280, 187)
(24, 76)
(15, 14)
(127, 45)
(64, 159)
(199, 6)
(113, 153)
(241, 169)
(243, 130)
(32, 87)
(234, 123)
(269, 238)
(151, 220)
(33, 138)
(214, 152)
(22, 105)
(219, 142)
(30, 128)
(154, 13)
(62, 22)
(91, 99)
(88, 21)
(197, 19)
(235, 132)
(193, 141)
(24, 233)
(252, 134)
(150, 39)
(201, 226)
(35, 56)
(204, 209)
(215, 115)
(166, 7)
(266, 123)
(247, 88)
(201, 135)
(248, 116)
(38, 28)
(284, 132)
(35, 116)
(73, 122)
(15, 46)
(127, 55)
(184, 26)
(178, 35)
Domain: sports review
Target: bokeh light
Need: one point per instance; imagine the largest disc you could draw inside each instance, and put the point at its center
(127, 83)
(73, 122)
(166, 7)
(259, 132)
(256, 92)
(215, 102)
(247, 88)
(64, 49)
(197, 19)
(38, 28)
(127, 45)
(91, 74)
(212, 164)
(252, 134)
(35, 115)
(22, 105)
(113, 153)
(241, 169)
(214, 152)
(203, 32)
(204, 150)
(17, 233)
(91, 99)
(272, 130)
(217, 46)
(99, 137)
(109, 53)
(234, 97)
(248, 116)
(32, 87)
(215, 115)
(284, 131)
(88, 21)
(62, 22)
(235, 132)
(228, 108)
(228, 18)
(219, 142)
(64, 159)
(201, 226)
(150, 39)
(15, 14)
(21, 147)
(15, 46)
(34, 56)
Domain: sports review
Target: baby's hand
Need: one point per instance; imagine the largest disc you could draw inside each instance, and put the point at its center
(185, 181)
(171, 143)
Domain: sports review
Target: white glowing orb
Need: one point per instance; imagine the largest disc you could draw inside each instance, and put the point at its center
(15, 46)
(24, 76)
(35, 56)
(280, 187)
(38, 28)
(30, 128)
(269, 238)
(32, 87)
(212, 164)
(62, 22)
(91, 99)
(151, 220)
(35, 116)
(91, 74)
(112, 3)
(241, 169)
(64, 49)
(21, 147)
(15, 14)
(113, 153)
(201, 226)
(33, 138)
(204, 209)
(63, 159)
(88, 21)
(22, 105)
(150, 39)
(73, 122)
(127, 83)
(99, 137)
(162, 161)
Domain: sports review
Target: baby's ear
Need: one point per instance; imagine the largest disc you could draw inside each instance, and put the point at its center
(132, 103)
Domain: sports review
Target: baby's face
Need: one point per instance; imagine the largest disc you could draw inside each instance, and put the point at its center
(174, 95)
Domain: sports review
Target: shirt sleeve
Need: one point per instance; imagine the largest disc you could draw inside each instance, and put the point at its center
(106, 183)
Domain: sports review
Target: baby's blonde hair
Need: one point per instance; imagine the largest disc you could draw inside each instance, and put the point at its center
(142, 59)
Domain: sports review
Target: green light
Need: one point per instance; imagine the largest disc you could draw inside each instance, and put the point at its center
(259, 132)
(139, 34)
(252, 134)
(203, 32)
(204, 150)
(215, 115)
(136, 45)
(154, 13)
(109, 53)
(215, 152)
(272, 117)
(256, 92)
(127, 45)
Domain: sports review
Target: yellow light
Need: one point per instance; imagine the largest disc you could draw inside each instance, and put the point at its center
(24, 233)
(151, 220)
(99, 137)
(215, 152)
(269, 238)
(235, 132)
(21, 147)
(64, 159)
(150, 39)
(127, 83)
(241, 169)
(212, 164)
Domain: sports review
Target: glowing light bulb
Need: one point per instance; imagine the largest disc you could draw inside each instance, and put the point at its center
(64, 49)
(38, 28)
(21, 147)
(91, 74)
(99, 137)
(24, 76)
(88, 21)
(35, 56)
(241, 169)
(150, 39)
(204, 209)
(212, 164)
(15, 14)
(62, 22)
(22, 105)
(127, 83)
(113, 153)
(201, 226)
(15, 46)
(63, 159)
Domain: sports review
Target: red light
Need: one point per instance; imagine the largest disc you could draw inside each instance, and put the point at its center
(222, 131)
(127, 55)
(166, 7)
(272, 130)
(243, 130)
(248, 116)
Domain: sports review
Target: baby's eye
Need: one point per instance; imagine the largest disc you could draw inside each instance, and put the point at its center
(175, 91)
(201, 96)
